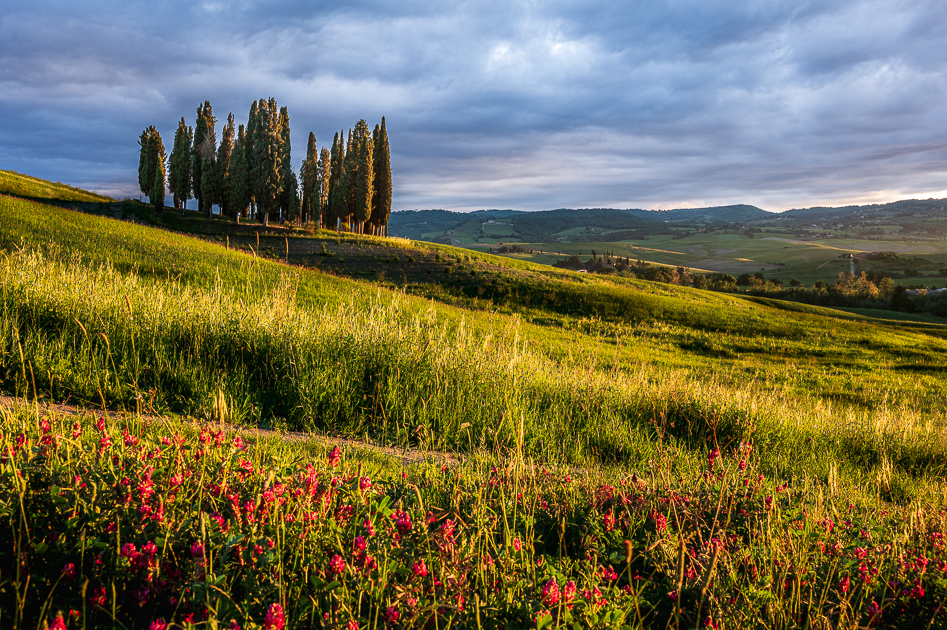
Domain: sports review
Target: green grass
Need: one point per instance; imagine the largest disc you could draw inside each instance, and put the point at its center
(746, 420)
(17, 184)
(92, 320)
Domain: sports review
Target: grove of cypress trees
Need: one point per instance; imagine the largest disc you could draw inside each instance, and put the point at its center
(381, 199)
(179, 166)
(267, 155)
(254, 170)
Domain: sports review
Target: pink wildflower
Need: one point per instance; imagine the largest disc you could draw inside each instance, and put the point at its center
(551, 593)
(336, 565)
(844, 584)
(275, 619)
(391, 616)
(335, 456)
(364, 483)
(59, 624)
(69, 571)
(352, 625)
(158, 624)
(568, 591)
(197, 549)
(419, 569)
(517, 545)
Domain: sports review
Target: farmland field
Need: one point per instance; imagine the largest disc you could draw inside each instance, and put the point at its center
(634, 454)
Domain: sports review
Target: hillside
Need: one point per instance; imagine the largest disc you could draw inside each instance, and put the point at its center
(692, 417)
(19, 185)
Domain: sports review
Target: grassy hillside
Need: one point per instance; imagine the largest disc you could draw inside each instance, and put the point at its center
(747, 462)
(19, 185)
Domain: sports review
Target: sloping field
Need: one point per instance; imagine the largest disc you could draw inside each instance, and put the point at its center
(17, 184)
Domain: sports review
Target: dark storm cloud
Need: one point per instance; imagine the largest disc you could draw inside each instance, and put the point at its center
(529, 105)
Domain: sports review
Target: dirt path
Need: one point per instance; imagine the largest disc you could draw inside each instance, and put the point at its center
(407, 456)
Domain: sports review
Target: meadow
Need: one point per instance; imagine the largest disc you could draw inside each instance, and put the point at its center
(769, 464)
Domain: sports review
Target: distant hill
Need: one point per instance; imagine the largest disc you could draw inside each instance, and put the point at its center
(19, 185)
(740, 213)
(562, 224)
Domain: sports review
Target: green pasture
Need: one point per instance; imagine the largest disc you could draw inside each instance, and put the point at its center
(99, 310)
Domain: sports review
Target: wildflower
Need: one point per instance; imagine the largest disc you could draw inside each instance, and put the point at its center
(391, 616)
(238, 443)
(873, 610)
(419, 569)
(98, 597)
(335, 456)
(275, 619)
(158, 624)
(129, 551)
(609, 520)
(568, 591)
(861, 553)
(367, 526)
(402, 522)
(336, 565)
(233, 625)
(76, 430)
(551, 593)
(660, 522)
(844, 584)
(69, 571)
(364, 484)
(517, 545)
(100, 425)
(352, 625)
(712, 458)
(197, 549)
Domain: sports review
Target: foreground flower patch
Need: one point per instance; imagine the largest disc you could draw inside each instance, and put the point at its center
(168, 527)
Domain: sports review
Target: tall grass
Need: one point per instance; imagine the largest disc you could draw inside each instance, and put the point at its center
(404, 376)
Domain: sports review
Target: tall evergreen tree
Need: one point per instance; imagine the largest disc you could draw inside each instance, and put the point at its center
(204, 115)
(381, 199)
(309, 174)
(224, 159)
(364, 180)
(179, 166)
(157, 192)
(238, 190)
(268, 153)
(337, 208)
(350, 178)
(151, 171)
(289, 194)
(322, 186)
(252, 148)
(210, 173)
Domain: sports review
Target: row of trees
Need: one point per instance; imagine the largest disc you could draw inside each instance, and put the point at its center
(250, 172)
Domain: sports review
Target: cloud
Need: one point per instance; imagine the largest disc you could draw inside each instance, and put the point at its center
(530, 105)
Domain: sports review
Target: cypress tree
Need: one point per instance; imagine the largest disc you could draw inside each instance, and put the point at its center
(254, 169)
(268, 154)
(146, 176)
(381, 199)
(179, 171)
(321, 203)
(336, 181)
(207, 158)
(364, 180)
(309, 174)
(197, 157)
(224, 160)
(151, 166)
(157, 191)
(289, 185)
(238, 189)
(349, 179)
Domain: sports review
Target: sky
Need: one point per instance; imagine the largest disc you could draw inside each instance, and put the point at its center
(530, 105)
